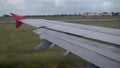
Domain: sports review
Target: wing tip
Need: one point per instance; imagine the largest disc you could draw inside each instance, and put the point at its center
(17, 18)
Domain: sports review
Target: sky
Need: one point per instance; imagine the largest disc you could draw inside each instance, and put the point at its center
(51, 7)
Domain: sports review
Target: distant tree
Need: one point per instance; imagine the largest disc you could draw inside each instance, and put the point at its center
(115, 13)
(6, 15)
(105, 13)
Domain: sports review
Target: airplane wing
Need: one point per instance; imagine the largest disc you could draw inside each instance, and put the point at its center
(98, 45)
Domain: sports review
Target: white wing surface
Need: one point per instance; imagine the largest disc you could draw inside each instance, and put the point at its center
(98, 45)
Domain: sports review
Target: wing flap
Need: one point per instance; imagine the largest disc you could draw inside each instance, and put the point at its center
(85, 50)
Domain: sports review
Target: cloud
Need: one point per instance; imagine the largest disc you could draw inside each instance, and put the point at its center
(56, 3)
(106, 4)
(59, 3)
(26, 7)
(17, 4)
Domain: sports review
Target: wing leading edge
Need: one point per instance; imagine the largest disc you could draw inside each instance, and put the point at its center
(109, 35)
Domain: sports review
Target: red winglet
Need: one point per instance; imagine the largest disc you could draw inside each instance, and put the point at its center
(17, 18)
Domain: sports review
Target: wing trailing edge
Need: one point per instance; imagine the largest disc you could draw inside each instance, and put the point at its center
(17, 18)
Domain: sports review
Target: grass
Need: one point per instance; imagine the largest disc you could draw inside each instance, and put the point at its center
(111, 24)
(17, 50)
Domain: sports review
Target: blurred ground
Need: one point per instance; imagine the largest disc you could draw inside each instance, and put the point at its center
(17, 45)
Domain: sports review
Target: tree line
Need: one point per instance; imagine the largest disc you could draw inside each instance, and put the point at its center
(61, 15)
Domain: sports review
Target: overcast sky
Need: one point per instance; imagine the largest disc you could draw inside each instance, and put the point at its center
(41, 7)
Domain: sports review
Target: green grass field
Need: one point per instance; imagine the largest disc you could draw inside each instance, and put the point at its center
(17, 50)
(17, 46)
